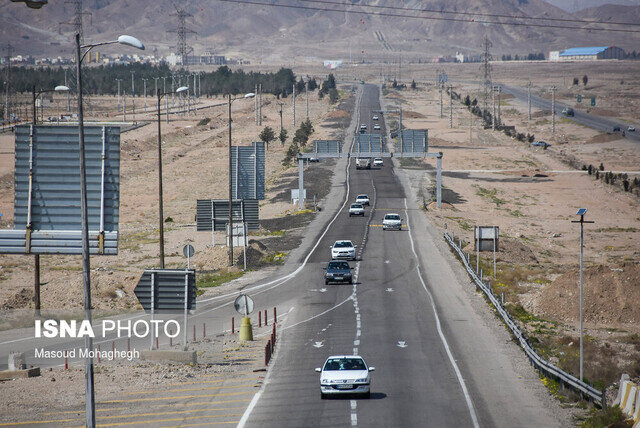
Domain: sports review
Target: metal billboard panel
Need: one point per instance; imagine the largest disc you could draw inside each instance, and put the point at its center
(414, 141)
(168, 292)
(327, 146)
(47, 186)
(248, 171)
(369, 143)
(215, 213)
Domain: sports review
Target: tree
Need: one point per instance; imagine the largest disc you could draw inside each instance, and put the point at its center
(283, 136)
(467, 101)
(313, 85)
(585, 79)
(333, 95)
(413, 84)
(301, 86)
(301, 137)
(292, 153)
(394, 84)
(576, 80)
(267, 135)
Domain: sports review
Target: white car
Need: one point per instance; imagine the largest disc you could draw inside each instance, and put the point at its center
(343, 250)
(631, 129)
(378, 162)
(375, 118)
(392, 221)
(345, 374)
(376, 127)
(363, 127)
(356, 209)
(362, 199)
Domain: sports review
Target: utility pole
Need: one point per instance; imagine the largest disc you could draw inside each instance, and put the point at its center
(441, 86)
(118, 80)
(529, 100)
(144, 82)
(493, 114)
(450, 106)
(280, 105)
(164, 89)
(553, 110)
(260, 105)
(470, 126)
(7, 81)
(255, 105)
(294, 107)
(133, 96)
(306, 90)
(486, 70)
(499, 109)
(156, 92)
(68, 94)
(124, 109)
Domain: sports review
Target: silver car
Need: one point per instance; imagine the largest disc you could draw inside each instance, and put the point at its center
(345, 374)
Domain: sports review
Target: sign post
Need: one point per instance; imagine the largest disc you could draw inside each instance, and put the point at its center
(188, 251)
(244, 306)
(186, 311)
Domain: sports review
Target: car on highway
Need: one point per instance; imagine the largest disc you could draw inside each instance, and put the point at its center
(363, 127)
(363, 163)
(356, 209)
(343, 249)
(338, 271)
(375, 118)
(314, 159)
(392, 221)
(363, 199)
(345, 374)
(568, 111)
(376, 127)
(542, 144)
(616, 129)
(378, 162)
(631, 129)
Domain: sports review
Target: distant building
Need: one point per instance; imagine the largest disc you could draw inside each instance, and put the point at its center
(590, 53)
(554, 56)
(459, 57)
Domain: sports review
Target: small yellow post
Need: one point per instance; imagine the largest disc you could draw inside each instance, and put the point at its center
(246, 331)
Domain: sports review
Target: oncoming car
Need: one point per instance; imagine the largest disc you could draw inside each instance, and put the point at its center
(338, 271)
(343, 250)
(363, 199)
(376, 127)
(392, 221)
(345, 374)
(378, 162)
(356, 209)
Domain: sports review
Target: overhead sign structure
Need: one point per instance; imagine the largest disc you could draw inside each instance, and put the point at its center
(247, 171)
(413, 141)
(47, 216)
(213, 214)
(327, 147)
(295, 195)
(368, 145)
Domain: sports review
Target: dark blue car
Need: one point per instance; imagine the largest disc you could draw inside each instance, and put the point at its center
(338, 271)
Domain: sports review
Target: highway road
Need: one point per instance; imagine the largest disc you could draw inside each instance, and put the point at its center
(441, 357)
(599, 123)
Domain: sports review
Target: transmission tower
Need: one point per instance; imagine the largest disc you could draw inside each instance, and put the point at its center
(76, 21)
(486, 71)
(183, 50)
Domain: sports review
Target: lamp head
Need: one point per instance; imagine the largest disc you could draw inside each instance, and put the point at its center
(582, 211)
(250, 95)
(181, 89)
(130, 41)
(61, 88)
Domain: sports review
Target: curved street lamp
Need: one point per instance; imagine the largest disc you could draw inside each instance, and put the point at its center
(59, 88)
(249, 95)
(90, 404)
(160, 204)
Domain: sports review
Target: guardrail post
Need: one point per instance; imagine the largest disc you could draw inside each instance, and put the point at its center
(232, 326)
(481, 275)
(502, 298)
(266, 323)
(275, 315)
(259, 319)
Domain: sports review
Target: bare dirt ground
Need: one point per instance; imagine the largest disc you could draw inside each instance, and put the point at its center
(532, 195)
(194, 167)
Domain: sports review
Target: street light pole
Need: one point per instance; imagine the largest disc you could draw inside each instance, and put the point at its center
(230, 193)
(581, 212)
(90, 405)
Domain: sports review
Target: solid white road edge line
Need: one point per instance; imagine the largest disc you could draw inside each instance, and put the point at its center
(463, 385)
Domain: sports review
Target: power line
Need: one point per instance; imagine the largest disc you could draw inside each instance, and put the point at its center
(432, 18)
(491, 15)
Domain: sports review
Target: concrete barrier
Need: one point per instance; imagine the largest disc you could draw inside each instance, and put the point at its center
(624, 378)
(16, 361)
(185, 357)
(15, 374)
(636, 413)
(628, 404)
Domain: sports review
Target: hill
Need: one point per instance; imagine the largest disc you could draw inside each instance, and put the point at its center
(275, 34)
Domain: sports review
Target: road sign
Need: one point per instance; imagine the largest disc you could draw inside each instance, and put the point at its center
(47, 205)
(243, 304)
(593, 101)
(485, 237)
(215, 213)
(239, 235)
(188, 251)
(579, 98)
(247, 171)
(166, 289)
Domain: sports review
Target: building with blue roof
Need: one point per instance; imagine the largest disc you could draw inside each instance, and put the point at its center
(589, 53)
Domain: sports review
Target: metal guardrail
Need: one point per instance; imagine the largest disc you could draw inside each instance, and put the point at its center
(536, 360)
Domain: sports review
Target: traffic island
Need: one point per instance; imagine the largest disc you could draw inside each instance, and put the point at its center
(16, 374)
(174, 356)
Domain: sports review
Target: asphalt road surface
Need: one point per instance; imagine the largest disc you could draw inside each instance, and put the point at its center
(441, 357)
(599, 123)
